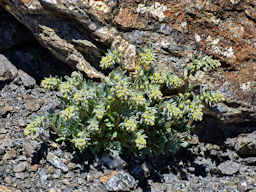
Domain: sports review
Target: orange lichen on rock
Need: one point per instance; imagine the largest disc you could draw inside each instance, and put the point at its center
(105, 178)
(25, 1)
(126, 18)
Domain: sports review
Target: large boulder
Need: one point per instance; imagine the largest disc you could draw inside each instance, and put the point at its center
(80, 31)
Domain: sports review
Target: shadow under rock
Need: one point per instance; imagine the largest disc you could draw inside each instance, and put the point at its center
(37, 156)
(36, 61)
(216, 132)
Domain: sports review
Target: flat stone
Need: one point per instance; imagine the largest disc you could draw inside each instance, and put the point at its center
(170, 178)
(53, 190)
(2, 172)
(56, 162)
(8, 180)
(33, 105)
(246, 145)
(7, 70)
(22, 123)
(57, 174)
(97, 187)
(6, 109)
(28, 148)
(20, 175)
(43, 176)
(249, 161)
(34, 167)
(2, 151)
(5, 189)
(20, 167)
(229, 168)
(9, 155)
(27, 81)
(113, 162)
(122, 181)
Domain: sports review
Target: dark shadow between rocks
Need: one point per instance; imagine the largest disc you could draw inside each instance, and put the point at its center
(36, 61)
(37, 156)
(24, 52)
(216, 132)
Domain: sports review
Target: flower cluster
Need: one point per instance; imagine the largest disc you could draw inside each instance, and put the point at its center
(79, 143)
(79, 97)
(140, 141)
(149, 116)
(66, 88)
(129, 112)
(121, 90)
(173, 81)
(158, 78)
(211, 97)
(112, 58)
(99, 111)
(76, 79)
(173, 112)
(206, 63)
(69, 113)
(154, 92)
(130, 124)
(93, 125)
(32, 128)
(50, 83)
(138, 99)
(147, 59)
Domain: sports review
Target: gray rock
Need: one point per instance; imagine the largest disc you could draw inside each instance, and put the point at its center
(249, 161)
(20, 167)
(244, 144)
(10, 155)
(8, 179)
(158, 187)
(2, 151)
(243, 186)
(170, 178)
(68, 189)
(113, 162)
(229, 168)
(122, 181)
(26, 80)
(56, 162)
(21, 175)
(2, 171)
(28, 148)
(7, 70)
(43, 176)
(69, 175)
(165, 29)
(33, 105)
(97, 187)
(57, 174)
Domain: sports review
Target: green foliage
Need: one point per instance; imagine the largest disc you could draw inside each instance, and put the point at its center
(111, 58)
(125, 112)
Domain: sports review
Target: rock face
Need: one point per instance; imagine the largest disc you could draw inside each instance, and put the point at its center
(7, 70)
(79, 32)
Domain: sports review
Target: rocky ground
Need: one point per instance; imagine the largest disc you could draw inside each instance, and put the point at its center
(221, 158)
